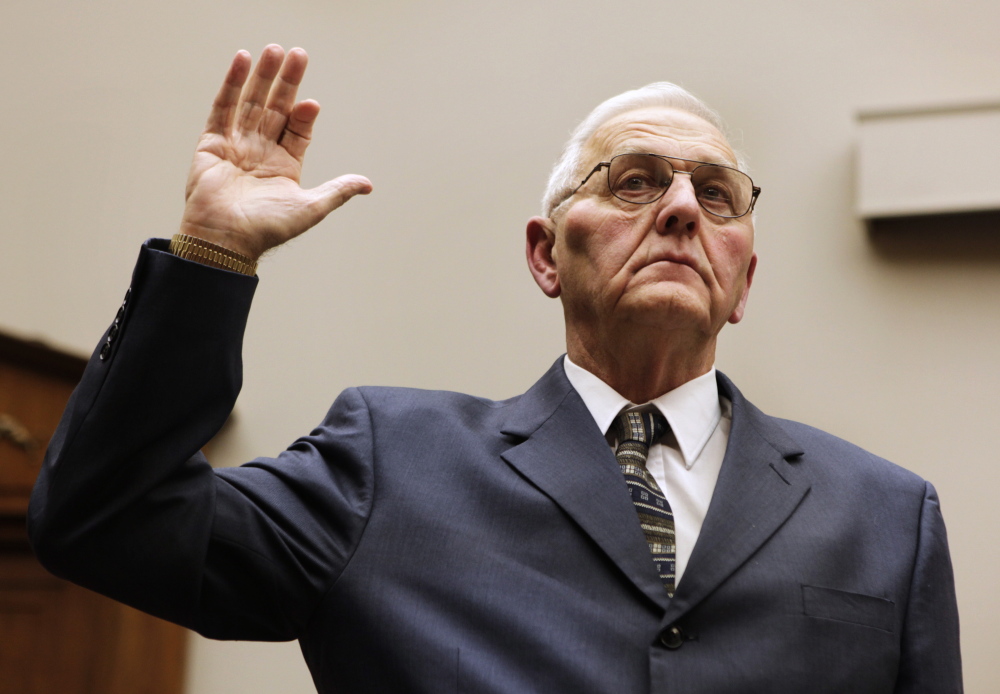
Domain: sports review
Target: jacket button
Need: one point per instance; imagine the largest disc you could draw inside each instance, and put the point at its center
(672, 638)
(105, 350)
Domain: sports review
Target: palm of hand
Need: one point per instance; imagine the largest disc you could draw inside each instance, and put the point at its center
(243, 188)
(248, 186)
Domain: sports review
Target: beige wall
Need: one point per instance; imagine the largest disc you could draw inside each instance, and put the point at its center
(456, 110)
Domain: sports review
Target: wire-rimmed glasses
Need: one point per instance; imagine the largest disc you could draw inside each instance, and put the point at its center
(644, 178)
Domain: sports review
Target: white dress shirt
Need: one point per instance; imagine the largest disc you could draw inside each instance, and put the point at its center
(686, 462)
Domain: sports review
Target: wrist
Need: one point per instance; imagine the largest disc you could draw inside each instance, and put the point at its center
(238, 242)
(212, 254)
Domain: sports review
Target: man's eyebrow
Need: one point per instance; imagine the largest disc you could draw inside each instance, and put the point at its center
(633, 149)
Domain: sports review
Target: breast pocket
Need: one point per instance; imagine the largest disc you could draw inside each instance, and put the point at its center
(843, 606)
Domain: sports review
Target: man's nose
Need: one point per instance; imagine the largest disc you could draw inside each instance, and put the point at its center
(678, 210)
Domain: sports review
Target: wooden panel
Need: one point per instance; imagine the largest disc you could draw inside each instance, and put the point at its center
(55, 636)
(58, 637)
(30, 405)
(35, 383)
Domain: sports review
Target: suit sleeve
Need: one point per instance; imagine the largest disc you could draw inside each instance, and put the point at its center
(126, 505)
(931, 661)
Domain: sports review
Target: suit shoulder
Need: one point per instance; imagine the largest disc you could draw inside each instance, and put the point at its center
(427, 398)
(396, 403)
(831, 455)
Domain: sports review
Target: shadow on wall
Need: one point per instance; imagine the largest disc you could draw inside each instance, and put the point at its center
(965, 237)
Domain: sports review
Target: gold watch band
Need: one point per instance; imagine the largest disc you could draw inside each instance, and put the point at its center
(208, 253)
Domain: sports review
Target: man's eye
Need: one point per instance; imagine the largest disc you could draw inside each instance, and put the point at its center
(716, 198)
(714, 192)
(635, 182)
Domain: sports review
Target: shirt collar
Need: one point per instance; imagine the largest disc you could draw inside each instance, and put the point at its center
(692, 409)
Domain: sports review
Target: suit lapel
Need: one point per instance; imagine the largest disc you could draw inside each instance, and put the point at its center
(562, 452)
(759, 487)
(565, 455)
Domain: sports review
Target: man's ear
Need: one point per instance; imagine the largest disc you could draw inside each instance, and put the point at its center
(737, 315)
(541, 239)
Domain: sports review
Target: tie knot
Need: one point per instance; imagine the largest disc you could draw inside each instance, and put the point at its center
(642, 427)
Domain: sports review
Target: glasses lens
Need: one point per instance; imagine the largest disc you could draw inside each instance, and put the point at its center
(639, 178)
(722, 191)
(643, 178)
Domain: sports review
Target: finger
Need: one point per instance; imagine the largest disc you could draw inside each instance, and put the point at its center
(282, 96)
(333, 194)
(257, 88)
(298, 129)
(220, 118)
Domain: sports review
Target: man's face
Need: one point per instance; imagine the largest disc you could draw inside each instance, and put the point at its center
(669, 263)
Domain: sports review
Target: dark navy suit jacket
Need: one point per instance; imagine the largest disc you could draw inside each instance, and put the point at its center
(435, 542)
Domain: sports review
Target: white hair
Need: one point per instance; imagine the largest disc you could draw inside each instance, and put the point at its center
(565, 175)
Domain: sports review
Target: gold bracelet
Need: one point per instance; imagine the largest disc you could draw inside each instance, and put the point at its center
(208, 253)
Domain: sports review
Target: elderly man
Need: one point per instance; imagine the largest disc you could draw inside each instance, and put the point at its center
(630, 524)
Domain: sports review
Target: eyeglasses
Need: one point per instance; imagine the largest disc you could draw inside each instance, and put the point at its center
(644, 178)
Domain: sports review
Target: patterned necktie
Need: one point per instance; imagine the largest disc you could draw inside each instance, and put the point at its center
(636, 432)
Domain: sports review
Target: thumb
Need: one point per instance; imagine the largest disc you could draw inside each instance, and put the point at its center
(334, 193)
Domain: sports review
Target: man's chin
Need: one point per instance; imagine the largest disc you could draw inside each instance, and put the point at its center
(669, 305)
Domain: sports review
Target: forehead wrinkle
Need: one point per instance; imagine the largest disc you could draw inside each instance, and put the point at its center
(715, 161)
(632, 132)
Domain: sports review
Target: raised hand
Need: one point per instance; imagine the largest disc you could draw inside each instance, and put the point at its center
(243, 189)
